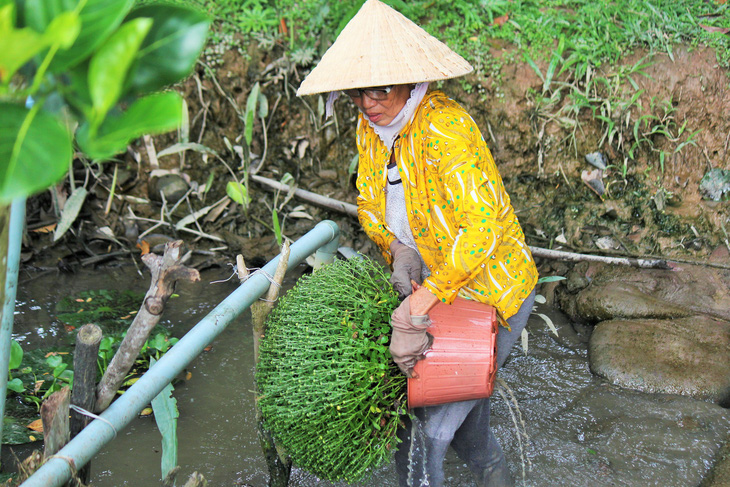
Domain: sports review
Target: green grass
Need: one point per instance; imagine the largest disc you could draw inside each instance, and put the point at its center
(597, 32)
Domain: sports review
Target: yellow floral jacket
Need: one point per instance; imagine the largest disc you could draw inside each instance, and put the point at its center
(460, 214)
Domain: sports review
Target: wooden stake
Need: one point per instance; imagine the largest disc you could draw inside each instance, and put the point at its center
(278, 462)
(84, 392)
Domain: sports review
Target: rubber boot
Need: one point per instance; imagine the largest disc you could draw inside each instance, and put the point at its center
(496, 475)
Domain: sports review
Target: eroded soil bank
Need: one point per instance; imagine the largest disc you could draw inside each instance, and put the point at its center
(649, 206)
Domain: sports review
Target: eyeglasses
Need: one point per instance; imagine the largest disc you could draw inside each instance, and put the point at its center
(378, 94)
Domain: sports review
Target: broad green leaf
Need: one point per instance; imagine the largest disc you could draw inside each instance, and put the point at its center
(166, 414)
(38, 14)
(99, 18)
(35, 151)
(70, 212)
(238, 193)
(54, 361)
(109, 65)
(18, 46)
(16, 355)
(171, 48)
(154, 113)
(16, 385)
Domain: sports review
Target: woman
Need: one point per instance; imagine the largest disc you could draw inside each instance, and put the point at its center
(432, 199)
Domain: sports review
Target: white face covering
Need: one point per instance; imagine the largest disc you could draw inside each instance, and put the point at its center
(389, 132)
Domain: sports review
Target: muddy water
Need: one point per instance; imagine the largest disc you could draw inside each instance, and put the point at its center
(581, 431)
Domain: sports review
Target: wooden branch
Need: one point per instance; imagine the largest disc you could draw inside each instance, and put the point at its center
(571, 256)
(260, 309)
(166, 271)
(279, 464)
(308, 196)
(54, 414)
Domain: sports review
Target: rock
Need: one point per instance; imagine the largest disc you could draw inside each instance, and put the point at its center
(173, 186)
(720, 474)
(596, 159)
(628, 292)
(687, 356)
(715, 184)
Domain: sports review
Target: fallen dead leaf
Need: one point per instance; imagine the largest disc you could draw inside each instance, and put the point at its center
(51, 354)
(711, 28)
(144, 246)
(46, 229)
(36, 425)
(146, 412)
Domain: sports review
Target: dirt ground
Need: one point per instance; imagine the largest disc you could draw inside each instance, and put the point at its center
(645, 210)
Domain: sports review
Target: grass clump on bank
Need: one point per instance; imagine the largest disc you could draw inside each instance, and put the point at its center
(330, 393)
(599, 32)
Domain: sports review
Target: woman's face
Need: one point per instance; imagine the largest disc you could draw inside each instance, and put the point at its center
(382, 112)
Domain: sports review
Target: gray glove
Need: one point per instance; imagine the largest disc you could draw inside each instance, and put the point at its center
(409, 340)
(406, 266)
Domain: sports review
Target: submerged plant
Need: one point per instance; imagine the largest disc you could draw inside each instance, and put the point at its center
(330, 393)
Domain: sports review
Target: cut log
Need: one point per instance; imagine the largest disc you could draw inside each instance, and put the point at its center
(84, 392)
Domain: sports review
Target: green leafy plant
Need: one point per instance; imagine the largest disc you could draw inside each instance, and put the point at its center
(92, 64)
(330, 393)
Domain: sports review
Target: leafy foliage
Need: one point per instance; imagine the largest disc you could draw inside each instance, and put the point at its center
(87, 64)
(330, 392)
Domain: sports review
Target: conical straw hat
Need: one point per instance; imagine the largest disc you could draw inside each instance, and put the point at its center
(381, 47)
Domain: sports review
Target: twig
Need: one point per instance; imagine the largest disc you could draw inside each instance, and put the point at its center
(314, 198)
(571, 256)
(183, 229)
(111, 191)
(562, 171)
(166, 271)
(223, 93)
(151, 152)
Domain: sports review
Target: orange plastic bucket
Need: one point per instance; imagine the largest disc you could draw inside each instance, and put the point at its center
(462, 362)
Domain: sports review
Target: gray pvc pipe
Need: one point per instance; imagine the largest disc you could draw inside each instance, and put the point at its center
(15, 238)
(323, 239)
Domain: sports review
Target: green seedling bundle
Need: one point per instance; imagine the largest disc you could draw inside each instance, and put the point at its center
(330, 393)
